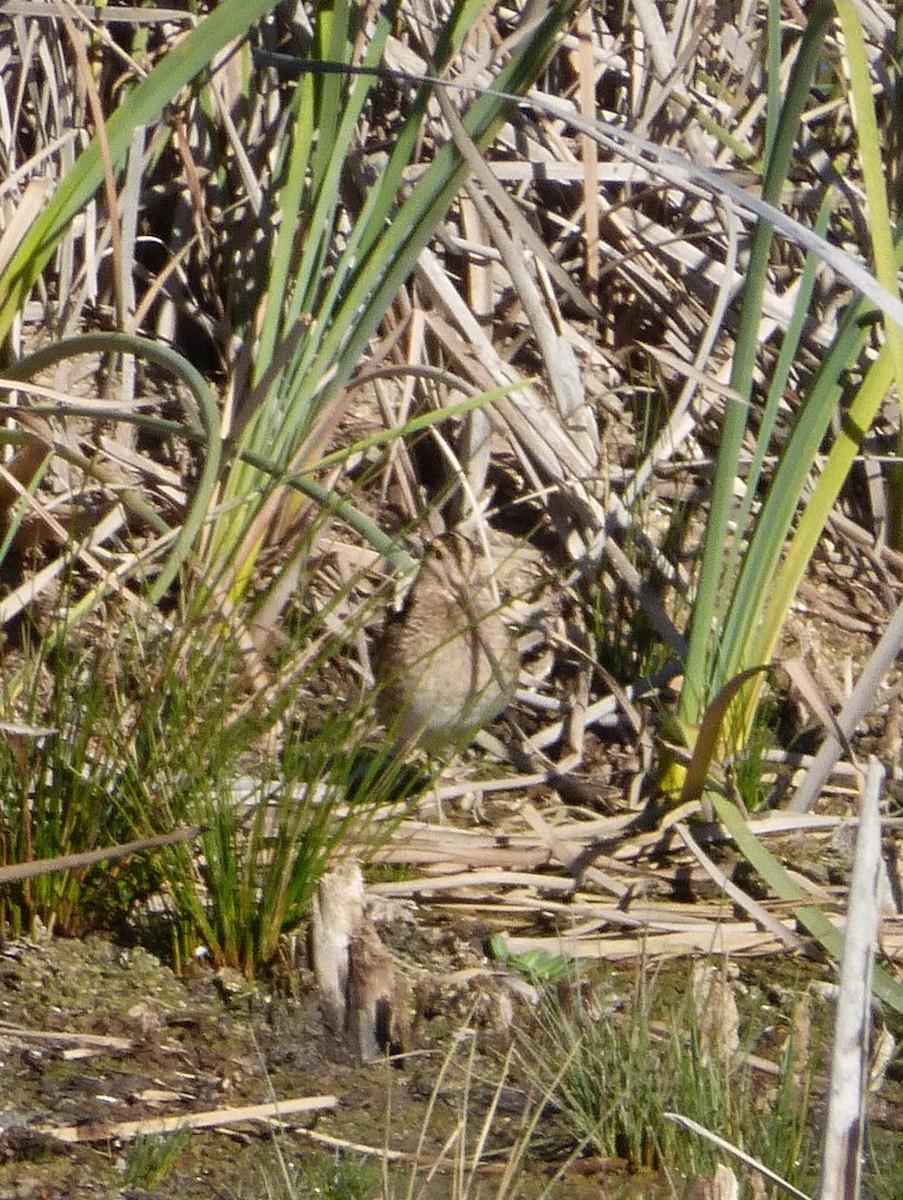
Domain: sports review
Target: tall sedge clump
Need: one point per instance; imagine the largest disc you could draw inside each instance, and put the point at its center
(329, 285)
(753, 561)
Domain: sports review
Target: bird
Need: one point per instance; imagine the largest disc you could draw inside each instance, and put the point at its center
(447, 664)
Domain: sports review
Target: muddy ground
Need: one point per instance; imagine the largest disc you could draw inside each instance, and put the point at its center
(95, 1033)
(201, 1043)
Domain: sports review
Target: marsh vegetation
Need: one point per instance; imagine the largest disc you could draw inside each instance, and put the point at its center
(294, 297)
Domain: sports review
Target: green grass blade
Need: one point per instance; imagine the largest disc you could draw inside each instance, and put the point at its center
(856, 424)
(175, 364)
(877, 211)
(290, 207)
(780, 508)
(773, 76)
(709, 738)
(809, 915)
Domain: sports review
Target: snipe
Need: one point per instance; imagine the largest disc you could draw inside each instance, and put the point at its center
(448, 664)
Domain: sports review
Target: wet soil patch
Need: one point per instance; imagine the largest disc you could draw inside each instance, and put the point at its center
(96, 1034)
